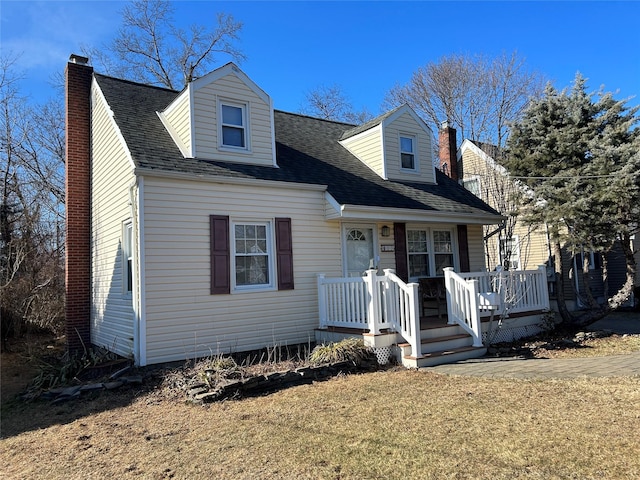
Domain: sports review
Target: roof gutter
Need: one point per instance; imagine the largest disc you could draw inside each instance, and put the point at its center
(151, 172)
(364, 212)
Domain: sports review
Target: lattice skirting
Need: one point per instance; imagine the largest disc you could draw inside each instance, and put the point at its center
(505, 333)
(383, 354)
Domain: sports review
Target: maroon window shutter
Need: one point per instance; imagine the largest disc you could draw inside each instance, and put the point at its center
(400, 247)
(220, 255)
(284, 253)
(463, 247)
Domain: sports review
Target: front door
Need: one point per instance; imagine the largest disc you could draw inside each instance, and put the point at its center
(359, 249)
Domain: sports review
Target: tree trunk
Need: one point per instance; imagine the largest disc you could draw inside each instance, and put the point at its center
(565, 314)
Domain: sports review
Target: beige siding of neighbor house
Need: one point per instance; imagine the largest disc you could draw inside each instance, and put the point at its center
(367, 146)
(259, 131)
(476, 248)
(533, 243)
(406, 124)
(112, 323)
(182, 318)
(178, 119)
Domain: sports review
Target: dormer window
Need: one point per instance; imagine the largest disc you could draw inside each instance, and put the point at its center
(407, 152)
(233, 125)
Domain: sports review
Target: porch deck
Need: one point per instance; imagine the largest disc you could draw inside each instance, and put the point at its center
(390, 315)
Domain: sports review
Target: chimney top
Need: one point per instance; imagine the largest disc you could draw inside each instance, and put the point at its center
(79, 59)
(444, 125)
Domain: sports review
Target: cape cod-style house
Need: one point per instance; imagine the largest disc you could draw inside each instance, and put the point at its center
(204, 221)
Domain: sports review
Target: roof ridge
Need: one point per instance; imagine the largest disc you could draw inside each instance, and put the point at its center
(132, 82)
(303, 115)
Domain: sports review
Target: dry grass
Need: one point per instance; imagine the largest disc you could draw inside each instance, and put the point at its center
(394, 424)
(593, 347)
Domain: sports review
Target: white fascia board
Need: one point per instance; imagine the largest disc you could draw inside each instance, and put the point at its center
(361, 212)
(273, 134)
(256, 182)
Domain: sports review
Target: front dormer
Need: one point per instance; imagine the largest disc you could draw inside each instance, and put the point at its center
(397, 146)
(223, 116)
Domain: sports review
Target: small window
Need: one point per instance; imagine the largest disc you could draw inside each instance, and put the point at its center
(127, 255)
(407, 153)
(234, 125)
(252, 255)
(473, 185)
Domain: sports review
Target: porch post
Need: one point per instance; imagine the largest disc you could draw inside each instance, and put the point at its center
(373, 312)
(322, 301)
(448, 286)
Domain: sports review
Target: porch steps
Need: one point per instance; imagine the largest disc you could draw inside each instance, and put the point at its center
(441, 357)
(440, 343)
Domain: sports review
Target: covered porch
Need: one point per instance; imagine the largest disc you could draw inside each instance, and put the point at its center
(426, 325)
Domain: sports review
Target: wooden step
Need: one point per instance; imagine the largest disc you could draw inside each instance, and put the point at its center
(444, 356)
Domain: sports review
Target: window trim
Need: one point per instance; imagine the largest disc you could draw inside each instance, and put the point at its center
(271, 253)
(414, 152)
(244, 107)
(432, 248)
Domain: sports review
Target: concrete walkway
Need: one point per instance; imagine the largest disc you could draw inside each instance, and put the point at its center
(611, 366)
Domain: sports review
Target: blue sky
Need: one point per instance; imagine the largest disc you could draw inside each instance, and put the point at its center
(366, 47)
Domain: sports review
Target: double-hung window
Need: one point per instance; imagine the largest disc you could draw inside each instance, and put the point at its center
(252, 256)
(510, 253)
(443, 250)
(430, 251)
(248, 255)
(407, 152)
(233, 125)
(418, 249)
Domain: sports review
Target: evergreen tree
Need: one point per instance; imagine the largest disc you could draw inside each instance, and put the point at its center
(579, 154)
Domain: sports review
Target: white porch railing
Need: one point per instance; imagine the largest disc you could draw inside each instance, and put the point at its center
(516, 290)
(463, 304)
(371, 303)
(377, 302)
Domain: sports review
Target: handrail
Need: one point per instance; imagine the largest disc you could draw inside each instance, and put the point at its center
(373, 302)
(462, 304)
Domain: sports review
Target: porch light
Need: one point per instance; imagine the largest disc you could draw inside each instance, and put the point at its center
(385, 231)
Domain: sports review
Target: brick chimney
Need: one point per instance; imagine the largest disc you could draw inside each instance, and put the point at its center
(78, 77)
(448, 151)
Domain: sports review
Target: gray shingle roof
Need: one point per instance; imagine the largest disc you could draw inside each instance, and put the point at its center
(307, 150)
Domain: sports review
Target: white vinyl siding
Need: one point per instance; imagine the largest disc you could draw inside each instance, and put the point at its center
(182, 318)
(206, 120)
(112, 320)
(406, 126)
(367, 146)
(177, 118)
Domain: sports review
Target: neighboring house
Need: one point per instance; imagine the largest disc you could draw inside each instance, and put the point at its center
(519, 246)
(204, 221)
